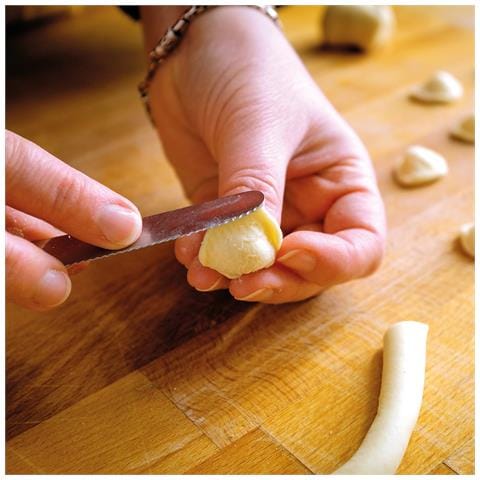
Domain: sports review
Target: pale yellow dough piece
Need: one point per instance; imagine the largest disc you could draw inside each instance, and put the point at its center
(403, 376)
(242, 246)
(362, 26)
(465, 130)
(467, 238)
(419, 166)
(443, 87)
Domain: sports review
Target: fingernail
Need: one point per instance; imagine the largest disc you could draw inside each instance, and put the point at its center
(121, 226)
(258, 296)
(53, 289)
(299, 260)
(213, 287)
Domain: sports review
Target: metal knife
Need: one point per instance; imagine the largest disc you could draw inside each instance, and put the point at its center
(160, 228)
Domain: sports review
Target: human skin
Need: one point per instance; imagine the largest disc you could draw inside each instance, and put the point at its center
(236, 110)
(45, 198)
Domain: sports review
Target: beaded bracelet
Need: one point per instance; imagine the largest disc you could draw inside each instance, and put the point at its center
(172, 39)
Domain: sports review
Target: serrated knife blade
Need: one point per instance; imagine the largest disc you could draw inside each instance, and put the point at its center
(160, 228)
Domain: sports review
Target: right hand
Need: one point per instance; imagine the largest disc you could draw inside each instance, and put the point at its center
(45, 198)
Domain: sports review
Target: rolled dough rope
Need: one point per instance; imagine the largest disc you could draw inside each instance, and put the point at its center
(399, 404)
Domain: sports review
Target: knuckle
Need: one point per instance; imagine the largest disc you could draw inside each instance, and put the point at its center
(12, 141)
(377, 246)
(14, 156)
(203, 191)
(250, 179)
(15, 258)
(68, 193)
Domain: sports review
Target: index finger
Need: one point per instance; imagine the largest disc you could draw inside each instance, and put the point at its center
(41, 185)
(350, 246)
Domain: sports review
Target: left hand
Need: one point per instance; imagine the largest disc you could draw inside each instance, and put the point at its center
(236, 110)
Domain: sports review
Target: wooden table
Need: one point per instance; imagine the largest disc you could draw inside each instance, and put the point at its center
(139, 373)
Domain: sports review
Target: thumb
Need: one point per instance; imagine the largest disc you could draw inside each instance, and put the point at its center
(33, 278)
(254, 158)
(248, 159)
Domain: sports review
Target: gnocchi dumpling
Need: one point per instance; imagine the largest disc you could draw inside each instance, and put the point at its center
(243, 246)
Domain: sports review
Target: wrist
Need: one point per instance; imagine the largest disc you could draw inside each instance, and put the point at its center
(230, 25)
(239, 24)
(227, 40)
(157, 20)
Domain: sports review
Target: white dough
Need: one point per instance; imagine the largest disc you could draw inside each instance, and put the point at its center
(465, 130)
(362, 26)
(420, 165)
(382, 449)
(443, 87)
(467, 238)
(242, 246)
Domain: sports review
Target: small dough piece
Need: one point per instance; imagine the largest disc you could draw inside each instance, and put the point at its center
(443, 87)
(465, 130)
(467, 238)
(363, 26)
(419, 166)
(403, 376)
(242, 246)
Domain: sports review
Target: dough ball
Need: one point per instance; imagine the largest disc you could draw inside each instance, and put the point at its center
(465, 130)
(242, 246)
(420, 165)
(443, 87)
(467, 238)
(362, 26)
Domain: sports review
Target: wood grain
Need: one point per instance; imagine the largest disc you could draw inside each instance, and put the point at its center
(442, 469)
(462, 461)
(260, 456)
(139, 373)
(115, 429)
